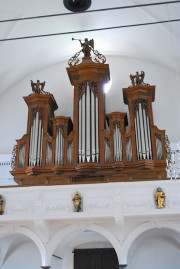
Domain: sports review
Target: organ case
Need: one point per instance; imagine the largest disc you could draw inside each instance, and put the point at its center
(96, 147)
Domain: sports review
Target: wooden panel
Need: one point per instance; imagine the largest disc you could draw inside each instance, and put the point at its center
(95, 259)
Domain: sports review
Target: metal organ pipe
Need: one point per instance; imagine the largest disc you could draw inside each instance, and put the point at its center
(138, 133)
(145, 134)
(80, 131)
(62, 148)
(93, 134)
(88, 123)
(129, 149)
(56, 148)
(137, 138)
(83, 128)
(30, 147)
(32, 143)
(48, 154)
(107, 151)
(69, 152)
(142, 127)
(21, 156)
(117, 143)
(159, 147)
(142, 131)
(36, 138)
(88, 149)
(149, 137)
(39, 143)
(96, 130)
(59, 149)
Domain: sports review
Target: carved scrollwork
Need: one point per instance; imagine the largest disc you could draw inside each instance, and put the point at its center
(82, 88)
(59, 127)
(100, 57)
(92, 86)
(40, 114)
(168, 154)
(74, 59)
(143, 103)
(116, 124)
(13, 159)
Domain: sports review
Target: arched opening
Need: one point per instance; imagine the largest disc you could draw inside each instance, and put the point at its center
(155, 248)
(95, 246)
(19, 251)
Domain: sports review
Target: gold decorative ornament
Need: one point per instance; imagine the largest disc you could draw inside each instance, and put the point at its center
(77, 202)
(1, 205)
(160, 198)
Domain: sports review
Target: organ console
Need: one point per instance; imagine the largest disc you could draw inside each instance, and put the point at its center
(96, 147)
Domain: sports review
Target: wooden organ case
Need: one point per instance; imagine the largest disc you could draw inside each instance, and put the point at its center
(97, 147)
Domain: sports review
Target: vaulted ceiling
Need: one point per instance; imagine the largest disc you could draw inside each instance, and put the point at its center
(143, 30)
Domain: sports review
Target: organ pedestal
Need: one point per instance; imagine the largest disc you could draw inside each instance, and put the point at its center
(95, 147)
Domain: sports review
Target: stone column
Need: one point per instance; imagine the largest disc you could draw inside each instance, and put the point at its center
(122, 266)
(46, 267)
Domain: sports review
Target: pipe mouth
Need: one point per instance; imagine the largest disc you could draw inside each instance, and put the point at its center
(77, 5)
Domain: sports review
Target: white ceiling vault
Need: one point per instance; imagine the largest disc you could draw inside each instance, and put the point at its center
(155, 47)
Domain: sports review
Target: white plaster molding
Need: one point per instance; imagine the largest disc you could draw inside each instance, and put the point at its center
(130, 198)
(120, 226)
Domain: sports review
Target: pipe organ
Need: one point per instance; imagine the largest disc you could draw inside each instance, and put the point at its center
(95, 146)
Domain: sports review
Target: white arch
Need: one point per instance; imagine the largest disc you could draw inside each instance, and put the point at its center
(75, 227)
(24, 231)
(68, 250)
(143, 228)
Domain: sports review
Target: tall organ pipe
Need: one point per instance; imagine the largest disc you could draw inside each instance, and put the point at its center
(142, 131)
(39, 143)
(88, 149)
(36, 137)
(59, 148)
(96, 131)
(88, 123)
(117, 143)
(93, 136)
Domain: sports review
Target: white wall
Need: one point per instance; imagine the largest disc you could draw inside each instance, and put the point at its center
(5, 167)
